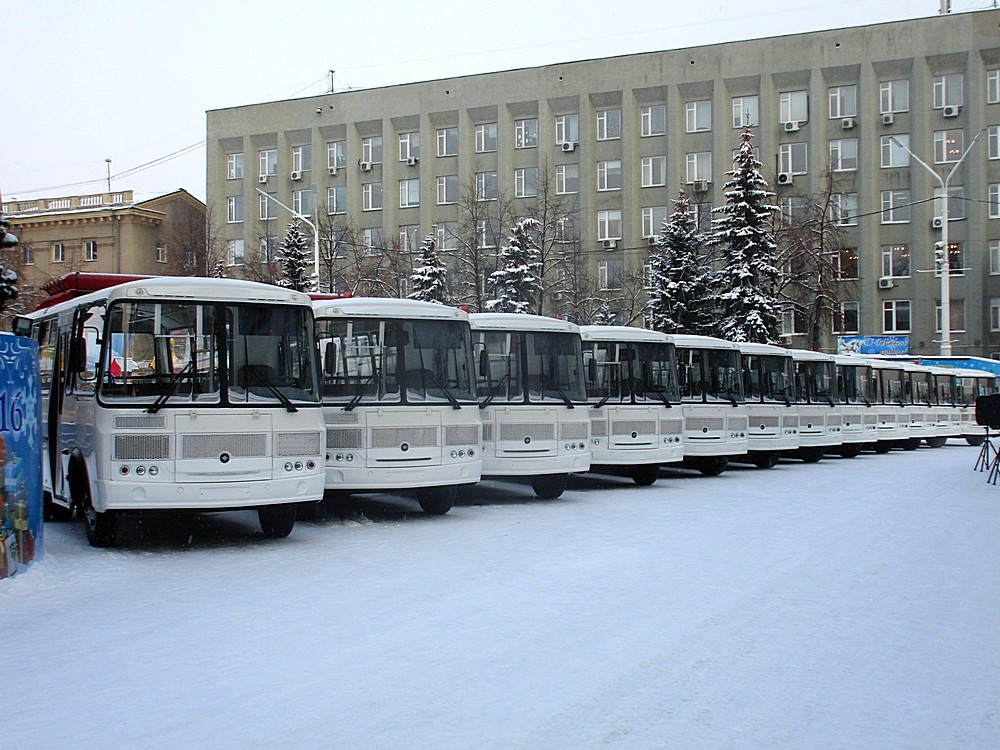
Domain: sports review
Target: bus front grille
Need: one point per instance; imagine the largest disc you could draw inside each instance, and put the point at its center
(461, 435)
(211, 445)
(393, 437)
(141, 447)
(343, 439)
(534, 430)
(627, 427)
(296, 444)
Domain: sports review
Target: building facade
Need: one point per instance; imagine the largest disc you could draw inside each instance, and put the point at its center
(865, 121)
(103, 233)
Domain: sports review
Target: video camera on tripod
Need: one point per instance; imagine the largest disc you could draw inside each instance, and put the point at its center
(988, 416)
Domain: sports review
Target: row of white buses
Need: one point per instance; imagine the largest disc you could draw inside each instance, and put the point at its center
(212, 394)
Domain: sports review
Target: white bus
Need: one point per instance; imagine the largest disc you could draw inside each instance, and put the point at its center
(635, 413)
(399, 398)
(529, 372)
(769, 387)
(892, 386)
(948, 417)
(710, 380)
(857, 388)
(970, 385)
(920, 399)
(820, 417)
(177, 393)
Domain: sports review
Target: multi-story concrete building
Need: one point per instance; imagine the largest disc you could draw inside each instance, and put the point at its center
(103, 233)
(874, 116)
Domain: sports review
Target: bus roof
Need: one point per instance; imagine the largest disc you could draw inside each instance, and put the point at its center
(691, 341)
(623, 333)
(385, 307)
(518, 322)
(803, 355)
(752, 347)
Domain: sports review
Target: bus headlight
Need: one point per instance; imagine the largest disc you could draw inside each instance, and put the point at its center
(153, 471)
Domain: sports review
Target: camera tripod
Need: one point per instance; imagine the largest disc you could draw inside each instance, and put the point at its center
(989, 460)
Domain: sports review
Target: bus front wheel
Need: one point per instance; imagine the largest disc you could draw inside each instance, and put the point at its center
(936, 442)
(645, 474)
(102, 528)
(277, 521)
(712, 466)
(549, 486)
(436, 501)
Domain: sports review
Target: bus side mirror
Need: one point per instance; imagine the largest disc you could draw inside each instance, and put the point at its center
(330, 359)
(21, 326)
(77, 354)
(484, 363)
(592, 370)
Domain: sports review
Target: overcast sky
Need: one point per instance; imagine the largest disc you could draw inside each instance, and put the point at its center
(131, 82)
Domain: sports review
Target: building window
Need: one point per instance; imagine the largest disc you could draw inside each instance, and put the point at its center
(447, 189)
(698, 116)
(526, 182)
(846, 318)
(654, 171)
(895, 206)
(948, 90)
(746, 111)
(409, 146)
(234, 209)
(843, 101)
(956, 266)
(267, 208)
(301, 158)
(654, 120)
(447, 141)
(793, 321)
(846, 263)
(609, 175)
(90, 250)
(268, 162)
(486, 137)
(948, 146)
(371, 196)
(894, 96)
(894, 153)
(896, 316)
(486, 186)
(336, 154)
(487, 232)
(447, 235)
(372, 239)
(844, 155)
(993, 141)
(896, 261)
(235, 255)
(526, 133)
(409, 193)
(609, 124)
(956, 203)
(567, 179)
(844, 209)
(698, 166)
(793, 106)
(703, 216)
(610, 274)
(956, 318)
(234, 167)
(567, 129)
(994, 201)
(793, 158)
(336, 200)
(566, 229)
(161, 254)
(995, 313)
(993, 86)
(652, 220)
(371, 149)
(409, 238)
(28, 255)
(793, 211)
(609, 225)
(302, 202)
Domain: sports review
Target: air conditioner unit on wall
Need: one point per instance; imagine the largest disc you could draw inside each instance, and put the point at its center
(366, 166)
(937, 222)
(332, 171)
(701, 186)
(609, 244)
(951, 110)
(651, 241)
(296, 175)
(791, 126)
(886, 282)
(262, 179)
(412, 161)
(888, 118)
(568, 146)
(784, 178)
(847, 123)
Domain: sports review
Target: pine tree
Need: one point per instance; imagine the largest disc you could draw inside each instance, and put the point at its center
(680, 294)
(747, 284)
(293, 256)
(219, 270)
(515, 285)
(429, 278)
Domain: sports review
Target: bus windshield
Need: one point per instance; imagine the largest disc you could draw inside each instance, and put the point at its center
(768, 377)
(856, 384)
(817, 382)
(529, 366)
(710, 375)
(175, 354)
(630, 372)
(382, 361)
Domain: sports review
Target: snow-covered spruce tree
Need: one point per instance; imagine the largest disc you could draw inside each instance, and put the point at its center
(515, 285)
(681, 280)
(293, 256)
(429, 278)
(218, 271)
(747, 283)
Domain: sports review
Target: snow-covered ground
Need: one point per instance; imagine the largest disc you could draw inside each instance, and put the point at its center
(849, 604)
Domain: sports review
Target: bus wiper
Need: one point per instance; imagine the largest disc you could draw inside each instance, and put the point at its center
(829, 398)
(732, 396)
(360, 394)
(604, 400)
(259, 378)
(566, 399)
(494, 391)
(660, 395)
(436, 382)
(162, 399)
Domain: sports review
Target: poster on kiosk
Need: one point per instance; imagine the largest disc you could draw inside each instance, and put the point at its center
(20, 456)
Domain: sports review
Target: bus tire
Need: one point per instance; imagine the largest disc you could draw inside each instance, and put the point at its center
(712, 466)
(936, 442)
(976, 440)
(850, 450)
(549, 486)
(277, 521)
(645, 474)
(883, 446)
(765, 459)
(811, 455)
(436, 501)
(911, 444)
(102, 528)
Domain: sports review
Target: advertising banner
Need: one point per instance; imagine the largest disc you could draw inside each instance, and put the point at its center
(20, 455)
(873, 345)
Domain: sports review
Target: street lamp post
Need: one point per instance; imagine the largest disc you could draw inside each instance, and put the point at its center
(312, 226)
(944, 267)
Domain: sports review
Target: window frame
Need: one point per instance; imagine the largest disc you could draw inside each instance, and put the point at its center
(843, 101)
(742, 110)
(890, 93)
(526, 133)
(654, 171)
(894, 307)
(447, 138)
(608, 221)
(606, 174)
(892, 155)
(889, 209)
(371, 196)
(409, 192)
(698, 116)
(609, 124)
(486, 137)
(234, 166)
(653, 119)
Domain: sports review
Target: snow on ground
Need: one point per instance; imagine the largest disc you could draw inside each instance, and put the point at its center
(853, 603)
